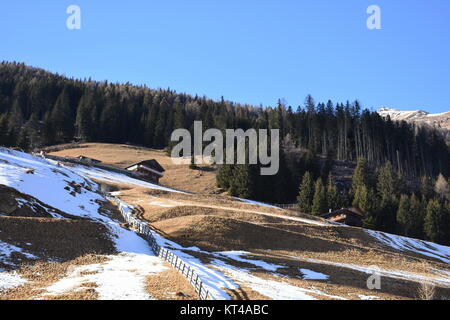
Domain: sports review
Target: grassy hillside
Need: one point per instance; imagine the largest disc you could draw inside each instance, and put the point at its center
(261, 239)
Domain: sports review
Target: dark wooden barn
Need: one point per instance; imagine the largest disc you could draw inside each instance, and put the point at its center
(349, 216)
(149, 170)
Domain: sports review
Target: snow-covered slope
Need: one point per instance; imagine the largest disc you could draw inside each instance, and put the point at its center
(441, 120)
(400, 243)
(69, 192)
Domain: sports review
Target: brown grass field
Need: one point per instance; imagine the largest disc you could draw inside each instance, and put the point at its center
(215, 222)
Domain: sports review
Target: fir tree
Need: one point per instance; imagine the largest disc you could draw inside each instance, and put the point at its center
(333, 198)
(306, 193)
(243, 182)
(436, 222)
(362, 175)
(61, 118)
(404, 214)
(320, 199)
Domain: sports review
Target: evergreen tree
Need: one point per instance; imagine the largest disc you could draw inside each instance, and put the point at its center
(33, 130)
(15, 122)
(362, 175)
(84, 121)
(306, 193)
(320, 199)
(333, 198)
(426, 189)
(404, 214)
(416, 218)
(23, 141)
(243, 182)
(436, 222)
(61, 118)
(4, 134)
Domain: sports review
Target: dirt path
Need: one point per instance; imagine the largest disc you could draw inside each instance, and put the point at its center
(161, 202)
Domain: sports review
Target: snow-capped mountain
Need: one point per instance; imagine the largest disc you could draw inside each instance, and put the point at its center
(440, 120)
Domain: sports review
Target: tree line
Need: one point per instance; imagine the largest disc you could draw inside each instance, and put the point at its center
(39, 108)
(386, 200)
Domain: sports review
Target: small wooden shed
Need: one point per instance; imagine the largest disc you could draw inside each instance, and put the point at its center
(349, 216)
(149, 170)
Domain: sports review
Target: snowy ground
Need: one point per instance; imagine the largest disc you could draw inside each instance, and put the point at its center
(10, 280)
(220, 275)
(6, 250)
(439, 279)
(70, 192)
(122, 277)
(429, 249)
(114, 177)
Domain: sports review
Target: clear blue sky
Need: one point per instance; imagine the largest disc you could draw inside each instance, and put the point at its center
(249, 51)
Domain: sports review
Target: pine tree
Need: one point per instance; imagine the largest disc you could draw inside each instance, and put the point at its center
(306, 193)
(361, 175)
(23, 141)
(4, 134)
(243, 182)
(436, 222)
(387, 187)
(61, 118)
(333, 198)
(404, 214)
(387, 192)
(225, 176)
(84, 120)
(320, 199)
(426, 189)
(416, 218)
(15, 122)
(33, 130)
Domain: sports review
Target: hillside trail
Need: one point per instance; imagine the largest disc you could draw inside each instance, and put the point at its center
(170, 203)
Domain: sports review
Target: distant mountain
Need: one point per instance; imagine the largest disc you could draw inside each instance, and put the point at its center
(438, 120)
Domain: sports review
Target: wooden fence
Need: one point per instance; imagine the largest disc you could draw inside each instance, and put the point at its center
(185, 269)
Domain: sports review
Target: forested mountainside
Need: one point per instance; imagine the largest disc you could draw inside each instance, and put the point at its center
(41, 108)
(398, 162)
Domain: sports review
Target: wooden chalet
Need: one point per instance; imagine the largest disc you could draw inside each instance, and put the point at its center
(149, 170)
(349, 216)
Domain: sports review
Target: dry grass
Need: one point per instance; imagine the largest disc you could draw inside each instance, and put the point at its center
(55, 239)
(42, 274)
(120, 155)
(170, 285)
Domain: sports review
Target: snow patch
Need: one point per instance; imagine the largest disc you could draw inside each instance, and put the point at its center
(399, 274)
(6, 251)
(10, 280)
(312, 275)
(429, 249)
(237, 256)
(276, 290)
(123, 277)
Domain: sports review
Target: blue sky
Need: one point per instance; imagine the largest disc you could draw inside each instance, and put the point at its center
(249, 51)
